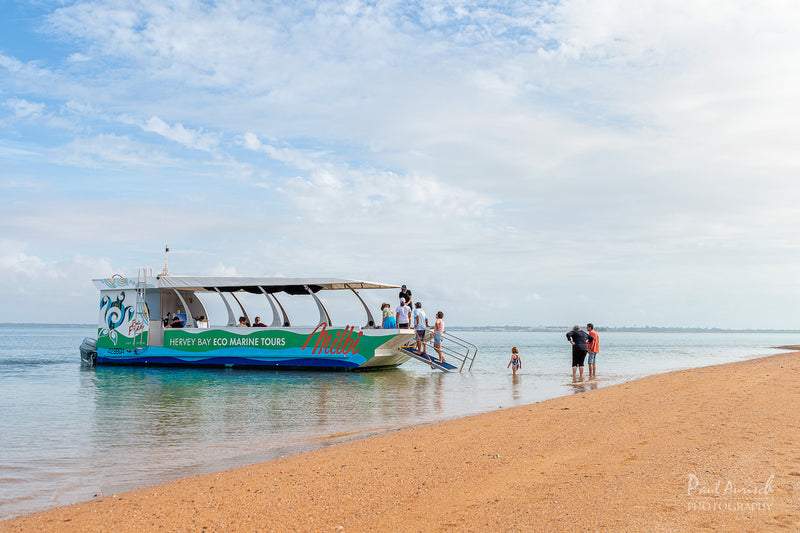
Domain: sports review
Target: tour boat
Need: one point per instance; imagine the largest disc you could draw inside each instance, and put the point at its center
(162, 320)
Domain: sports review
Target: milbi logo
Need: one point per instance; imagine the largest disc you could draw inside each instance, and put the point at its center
(343, 342)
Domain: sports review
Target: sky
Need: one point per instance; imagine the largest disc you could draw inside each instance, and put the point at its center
(515, 163)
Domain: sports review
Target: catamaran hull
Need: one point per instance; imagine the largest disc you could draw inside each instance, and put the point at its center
(156, 356)
(329, 349)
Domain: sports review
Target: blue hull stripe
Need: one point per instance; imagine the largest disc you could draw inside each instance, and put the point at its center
(226, 361)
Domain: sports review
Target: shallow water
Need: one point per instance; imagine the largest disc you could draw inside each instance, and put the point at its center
(72, 433)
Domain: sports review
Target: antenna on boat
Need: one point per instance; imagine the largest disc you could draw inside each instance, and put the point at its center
(166, 251)
(166, 245)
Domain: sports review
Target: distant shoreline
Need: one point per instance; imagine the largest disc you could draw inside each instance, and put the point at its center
(624, 329)
(537, 329)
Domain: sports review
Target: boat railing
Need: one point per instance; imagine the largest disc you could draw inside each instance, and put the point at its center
(454, 348)
(142, 276)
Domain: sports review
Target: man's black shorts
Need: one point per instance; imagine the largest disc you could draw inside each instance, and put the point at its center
(578, 356)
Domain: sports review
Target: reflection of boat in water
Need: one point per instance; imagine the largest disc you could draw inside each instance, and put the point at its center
(161, 320)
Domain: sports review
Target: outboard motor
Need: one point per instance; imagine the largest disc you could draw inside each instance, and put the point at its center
(89, 351)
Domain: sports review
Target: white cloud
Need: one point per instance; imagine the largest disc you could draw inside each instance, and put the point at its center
(190, 138)
(23, 108)
(14, 261)
(15, 152)
(10, 183)
(36, 289)
(251, 141)
(221, 270)
(324, 190)
(79, 58)
(32, 79)
(110, 151)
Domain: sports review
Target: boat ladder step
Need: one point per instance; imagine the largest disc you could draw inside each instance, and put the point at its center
(429, 359)
(458, 353)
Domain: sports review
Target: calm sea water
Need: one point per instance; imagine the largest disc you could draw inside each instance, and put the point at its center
(71, 433)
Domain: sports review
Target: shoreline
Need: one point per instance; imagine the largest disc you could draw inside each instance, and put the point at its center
(684, 450)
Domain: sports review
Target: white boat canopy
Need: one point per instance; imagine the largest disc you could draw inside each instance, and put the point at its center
(248, 284)
(270, 285)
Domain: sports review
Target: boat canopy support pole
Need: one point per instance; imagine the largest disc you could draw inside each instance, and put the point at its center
(324, 317)
(185, 307)
(370, 318)
(286, 322)
(231, 317)
(244, 311)
(276, 316)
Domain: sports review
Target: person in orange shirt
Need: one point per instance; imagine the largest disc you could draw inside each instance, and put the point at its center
(594, 347)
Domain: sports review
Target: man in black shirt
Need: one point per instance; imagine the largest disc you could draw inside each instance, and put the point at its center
(405, 294)
(579, 341)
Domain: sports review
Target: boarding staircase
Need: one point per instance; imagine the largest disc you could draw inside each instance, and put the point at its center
(457, 353)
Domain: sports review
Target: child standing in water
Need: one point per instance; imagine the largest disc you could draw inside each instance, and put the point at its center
(516, 361)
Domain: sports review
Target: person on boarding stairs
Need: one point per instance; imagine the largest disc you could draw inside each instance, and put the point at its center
(421, 327)
(438, 331)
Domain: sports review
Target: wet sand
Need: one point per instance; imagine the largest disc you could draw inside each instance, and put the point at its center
(700, 449)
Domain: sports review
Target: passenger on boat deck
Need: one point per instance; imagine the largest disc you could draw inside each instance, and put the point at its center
(388, 317)
(258, 323)
(176, 323)
(405, 294)
(403, 314)
(242, 322)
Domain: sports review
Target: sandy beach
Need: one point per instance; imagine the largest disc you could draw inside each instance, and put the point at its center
(700, 449)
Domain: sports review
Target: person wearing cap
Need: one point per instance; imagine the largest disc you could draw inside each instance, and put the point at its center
(579, 341)
(421, 327)
(405, 294)
(403, 314)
